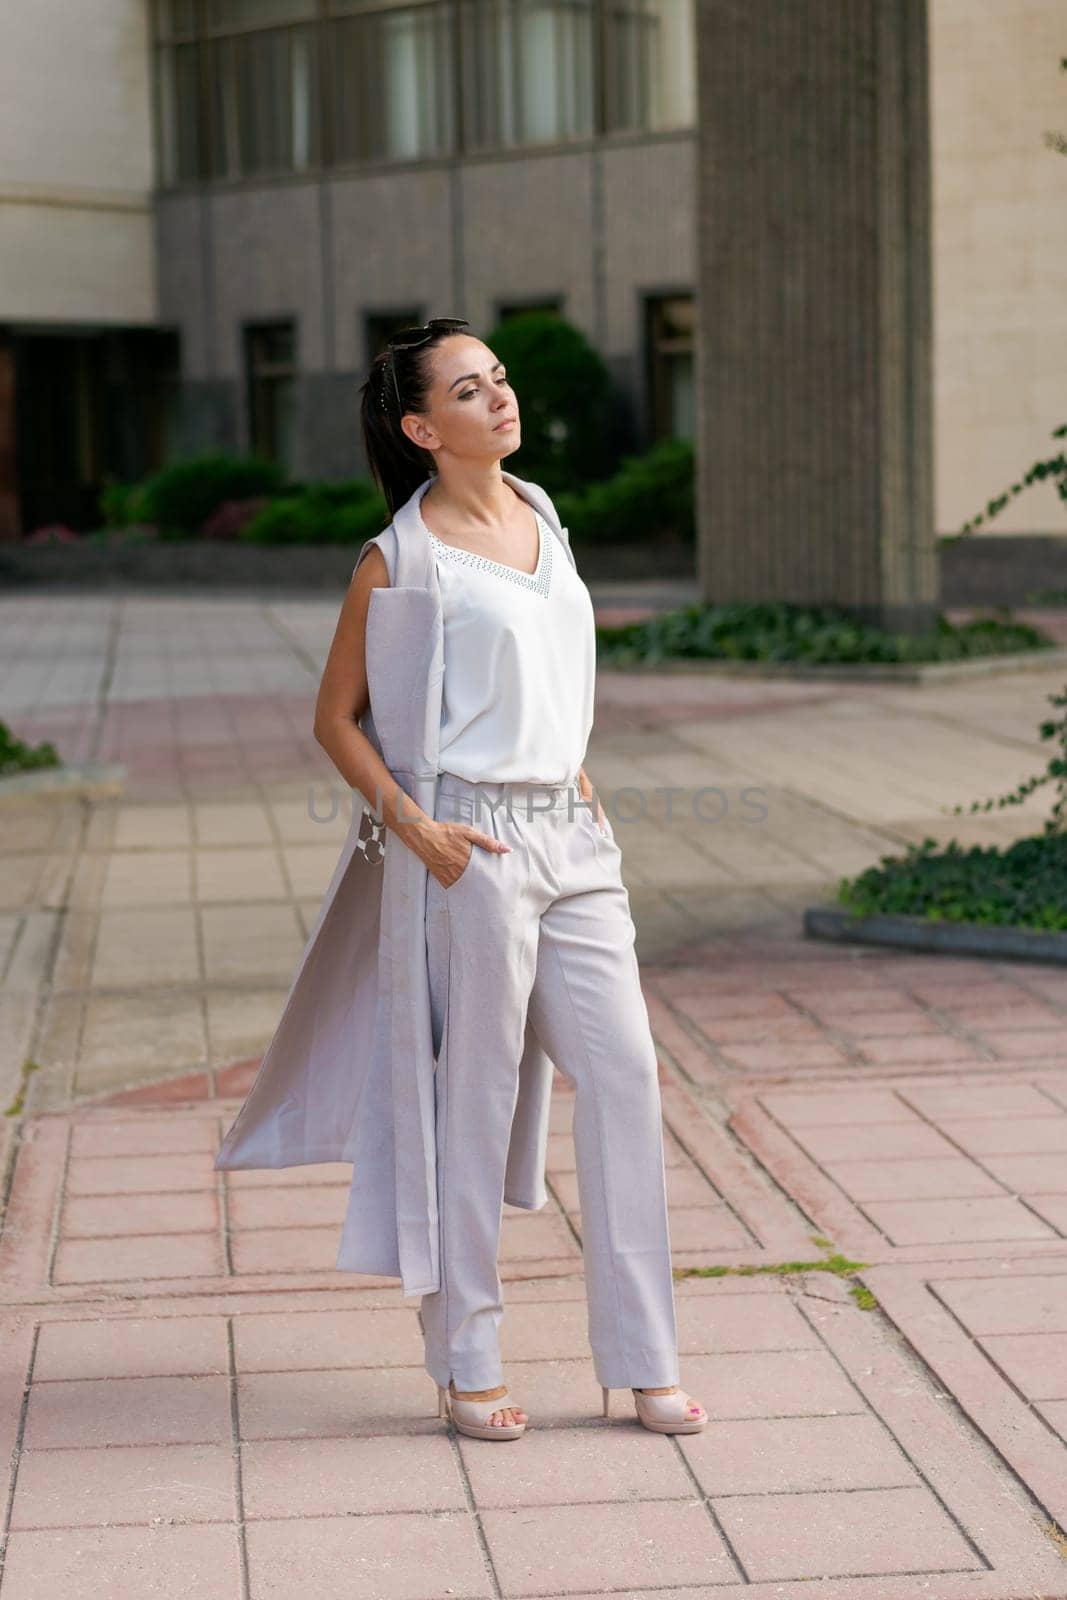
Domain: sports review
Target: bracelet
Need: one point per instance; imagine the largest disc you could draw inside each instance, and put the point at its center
(372, 844)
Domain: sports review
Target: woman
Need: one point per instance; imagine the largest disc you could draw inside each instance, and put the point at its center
(527, 923)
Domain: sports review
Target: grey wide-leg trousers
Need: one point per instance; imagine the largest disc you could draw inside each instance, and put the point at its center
(544, 931)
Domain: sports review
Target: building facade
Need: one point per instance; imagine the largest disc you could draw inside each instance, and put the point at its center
(265, 188)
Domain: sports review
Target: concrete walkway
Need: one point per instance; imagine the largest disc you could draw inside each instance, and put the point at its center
(867, 1158)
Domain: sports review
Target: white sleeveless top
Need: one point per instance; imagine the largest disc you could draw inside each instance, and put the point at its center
(520, 665)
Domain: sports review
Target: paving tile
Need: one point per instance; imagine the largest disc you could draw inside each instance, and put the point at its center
(294, 1341)
(234, 825)
(536, 1236)
(1008, 1136)
(868, 1531)
(141, 1174)
(1035, 1362)
(272, 1250)
(147, 945)
(917, 1047)
(350, 1477)
(150, 1255)
(170, 1563)
(135, 1484)
(907, 1222)
(552, 1330)
(147, 877)
(141, 1136)
(257, 943)
(1030, 1175)
(336, 1403)
(769, 1383)
(779, 1057)
(402, 1557)
(134, 1035)
(319, 1204)
(565, 1549)
(971, 1100)
(1040, 1045)
(934, 1178)
(883, 1026)
(704, 1228)
(91, 1216)
(1036, 1303)
(239, 874)
(878, 1141)
(821, 1110)
(131, 1347)
(707, 1327)
(241, 1024)
(569, 1466)
(791, 1455)
(117, 1411)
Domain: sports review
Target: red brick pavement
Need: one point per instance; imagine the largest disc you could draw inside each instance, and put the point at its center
(209, 1399)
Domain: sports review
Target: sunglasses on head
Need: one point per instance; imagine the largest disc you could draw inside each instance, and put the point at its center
(410, 338)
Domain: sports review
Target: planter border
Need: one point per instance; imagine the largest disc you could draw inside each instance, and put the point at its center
(72, 778)
(952, 938)
(857, 672)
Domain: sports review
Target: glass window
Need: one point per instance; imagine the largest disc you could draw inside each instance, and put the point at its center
(527, 70)
(378, 325)
(519, 308)
(650, 64)
(178, 110)
(271, 368)
(670, 332)
(225, 14)
(263, 102)
(392, 84)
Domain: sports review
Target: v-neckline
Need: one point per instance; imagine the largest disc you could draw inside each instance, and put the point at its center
(486, 562)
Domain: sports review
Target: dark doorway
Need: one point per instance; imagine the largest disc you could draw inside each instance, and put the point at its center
(91, 407)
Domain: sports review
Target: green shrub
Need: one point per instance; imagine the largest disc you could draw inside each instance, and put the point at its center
(650, 499)
(1024, 885)
(566, 400)
(123, 505)
(783, 631)
(181, 497)
(16, 756)
(325, 513)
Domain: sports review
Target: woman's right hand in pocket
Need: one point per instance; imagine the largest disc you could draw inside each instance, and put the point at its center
(449, 848)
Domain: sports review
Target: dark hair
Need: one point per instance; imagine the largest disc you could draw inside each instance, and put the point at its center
(397, 464)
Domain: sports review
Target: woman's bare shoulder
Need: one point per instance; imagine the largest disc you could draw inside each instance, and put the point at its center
(371, 570)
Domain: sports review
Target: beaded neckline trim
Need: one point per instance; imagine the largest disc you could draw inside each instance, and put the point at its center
(538, 581)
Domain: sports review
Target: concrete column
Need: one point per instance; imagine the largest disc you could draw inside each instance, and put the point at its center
(814, 360)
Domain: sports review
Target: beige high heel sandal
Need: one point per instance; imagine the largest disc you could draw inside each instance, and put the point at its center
(472, 1416)
(662, 1413)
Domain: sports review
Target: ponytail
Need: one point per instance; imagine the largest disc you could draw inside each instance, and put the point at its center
(398, 465)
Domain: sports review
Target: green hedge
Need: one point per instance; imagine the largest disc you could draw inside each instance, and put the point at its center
(566, 397)
(782, 631)
(323, 513)
(181, 497)
(650, 498)
(1023, 885)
